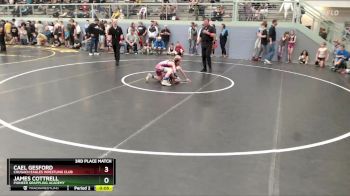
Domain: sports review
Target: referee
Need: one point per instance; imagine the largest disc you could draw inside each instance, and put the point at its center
(117, 37)
(206, 38)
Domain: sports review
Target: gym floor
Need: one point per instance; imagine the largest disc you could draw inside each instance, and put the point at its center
(245, 129)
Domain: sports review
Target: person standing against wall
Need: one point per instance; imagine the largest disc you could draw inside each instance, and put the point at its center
(117, 37)
(94, 31)
(2, 39)
(192, 38)
(272, 43)
(165, 34)
(223, 40)
(206, 38)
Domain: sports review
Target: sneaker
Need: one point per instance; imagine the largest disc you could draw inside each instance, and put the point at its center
(90, 54)
(165, 83)
(267, 62)
(96, 53)
(149, 76)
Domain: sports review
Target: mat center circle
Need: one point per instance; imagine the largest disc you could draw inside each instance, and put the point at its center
(231, 83)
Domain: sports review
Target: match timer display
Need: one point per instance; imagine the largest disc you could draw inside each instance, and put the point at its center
(82, 174)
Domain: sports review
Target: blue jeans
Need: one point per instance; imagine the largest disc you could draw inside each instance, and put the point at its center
(94, 43)
(271, 51)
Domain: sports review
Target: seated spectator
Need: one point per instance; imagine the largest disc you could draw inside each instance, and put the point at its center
(86, 43)
(304, 57)
(142, 14)
(41, 39)
(179, 49)
(147, 48)
(340, 59)
(131, 41)
(77, 42)
(171, 49)
(118, 14)
(48, 34)
(56, 41)
(23, 35)
(158, 45)
(217, 14)
(323, 33)
(322, 55)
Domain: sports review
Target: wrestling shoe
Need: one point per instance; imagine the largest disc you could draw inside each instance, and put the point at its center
(165, 83)
(149, 76)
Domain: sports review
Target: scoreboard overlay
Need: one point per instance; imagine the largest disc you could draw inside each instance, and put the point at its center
(80, 174)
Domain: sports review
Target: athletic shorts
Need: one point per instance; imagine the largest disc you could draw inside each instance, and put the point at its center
(291, 45)
(321, 59)
(160, 72)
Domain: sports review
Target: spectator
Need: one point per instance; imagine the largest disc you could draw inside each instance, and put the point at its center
(23, 35)
(194, 8)
(336, 46)
(131, 41)
(102, 36)
(165, 34)
(77, 42)
(94, 32)
(14, 34)
(152, 32)
(291, 45)
(7, 30)
(171, 49)
(142, 14)
(131, 28)
(323, 33)
(48, 34)
(77, 29)
(118, 14)
(41, 39)
(179, 49)
(72, 32)
(147, 48)
(142, 32)
(108, 36)
(2, 39)
(341, 57)
(39, 27)
(192, 39)
(30, 30)
(217, 14)
(223, 40)
(215, 42)
(263, 41)
(66, 37)
(322, 55)
(85, 44)
(272, 43)
(158, 45)
(282, 46)
(56, 41)
(304, 57)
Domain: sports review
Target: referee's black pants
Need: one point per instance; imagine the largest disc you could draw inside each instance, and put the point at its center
(206, 59)
(116, 50)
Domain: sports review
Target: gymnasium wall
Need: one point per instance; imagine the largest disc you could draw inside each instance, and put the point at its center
(242, 35)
